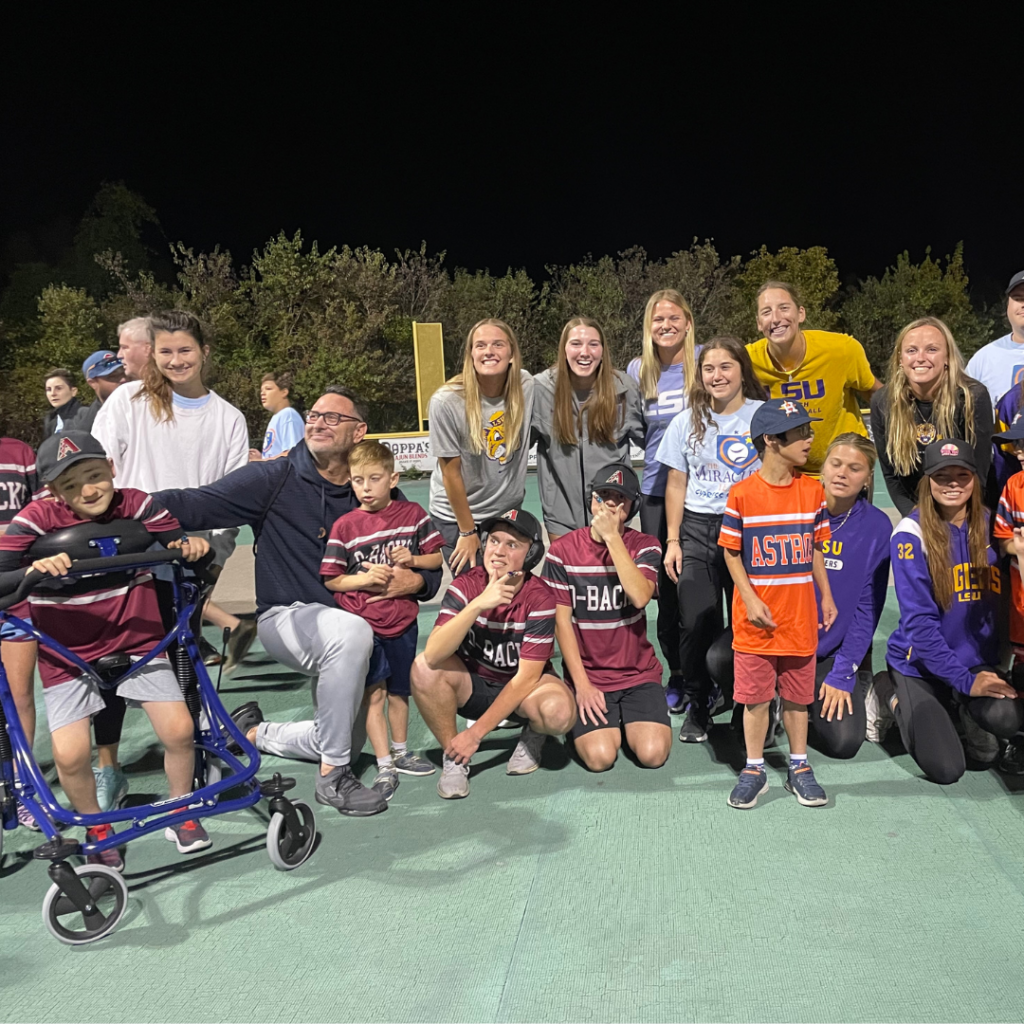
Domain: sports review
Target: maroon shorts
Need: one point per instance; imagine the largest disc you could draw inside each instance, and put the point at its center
(759, 675)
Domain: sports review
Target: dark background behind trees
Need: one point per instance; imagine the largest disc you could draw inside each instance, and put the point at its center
(340, 314)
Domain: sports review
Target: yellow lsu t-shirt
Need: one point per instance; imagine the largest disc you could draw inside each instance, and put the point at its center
(833, 369)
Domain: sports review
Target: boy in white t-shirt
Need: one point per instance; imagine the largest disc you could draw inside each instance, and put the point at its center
(1000, 364)
(285, 429)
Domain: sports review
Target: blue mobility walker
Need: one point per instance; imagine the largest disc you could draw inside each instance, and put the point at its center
(86, 903)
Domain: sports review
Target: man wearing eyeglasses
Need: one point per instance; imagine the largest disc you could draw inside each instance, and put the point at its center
(291, 504)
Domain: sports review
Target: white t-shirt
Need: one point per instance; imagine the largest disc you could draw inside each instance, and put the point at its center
(725, 457)
(998, 365)
(284, 431)
(206, 440)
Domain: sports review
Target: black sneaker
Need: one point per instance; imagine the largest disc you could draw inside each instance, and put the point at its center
(695, 726)
(209, 653)
(1011, 763)
(245, 717)
(342, 790)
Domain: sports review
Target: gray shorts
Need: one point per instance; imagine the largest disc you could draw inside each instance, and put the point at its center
(80, 698)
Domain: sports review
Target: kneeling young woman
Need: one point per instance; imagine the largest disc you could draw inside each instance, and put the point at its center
(603, 577)
(942, 654)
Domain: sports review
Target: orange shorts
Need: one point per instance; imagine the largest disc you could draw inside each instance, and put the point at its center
(757, 676)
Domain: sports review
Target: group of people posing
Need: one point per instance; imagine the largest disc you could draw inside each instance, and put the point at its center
(757, 539)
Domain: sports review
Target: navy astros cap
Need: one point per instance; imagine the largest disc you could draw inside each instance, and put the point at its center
(519, 519)
(617, 477)
(950, 452)
(1017, 279)
(1014, 432)
(59, 451)
(778, 415)
(101, 364)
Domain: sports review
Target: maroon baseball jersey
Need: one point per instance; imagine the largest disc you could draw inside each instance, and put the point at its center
(611, 633)
(360, 537)
(18, 482)
(92, 616)
(523, 629)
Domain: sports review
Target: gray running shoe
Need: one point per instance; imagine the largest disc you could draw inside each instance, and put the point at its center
(526, 757)
(238, 644)
(343, 791)
(111, 787)
(409, 764)
(386, 782)
(454, 781)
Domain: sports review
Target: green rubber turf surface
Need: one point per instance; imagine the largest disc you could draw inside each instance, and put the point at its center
(634, 895)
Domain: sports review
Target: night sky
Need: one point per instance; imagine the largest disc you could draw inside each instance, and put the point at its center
(526, 141)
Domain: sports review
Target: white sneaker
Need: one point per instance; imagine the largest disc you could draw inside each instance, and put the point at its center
(879, 715)
(526, 757)
(454, 781)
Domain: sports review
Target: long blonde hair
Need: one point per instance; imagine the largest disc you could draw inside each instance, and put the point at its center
(603, 410)
(156, 389)
(512, 393)
(935, 532)
(901, 445)
(650, 364)
(865, 447)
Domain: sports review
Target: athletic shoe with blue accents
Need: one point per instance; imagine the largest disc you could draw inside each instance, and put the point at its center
(111, 787)
(674, 697)
(749, 786)
(804, 786)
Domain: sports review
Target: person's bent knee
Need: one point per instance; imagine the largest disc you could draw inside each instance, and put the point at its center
(653, 755)
(557, 714)
(598, 760)
(346, 633)
(946, 773)
(421, 676)
(1002, 718)
(842, 748)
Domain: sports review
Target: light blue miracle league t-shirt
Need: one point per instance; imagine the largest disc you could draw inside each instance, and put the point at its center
(284, 432)
(999, 365)
(725, 457)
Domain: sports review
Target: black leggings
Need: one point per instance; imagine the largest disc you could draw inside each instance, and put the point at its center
(702, 582)
(652, 522)
(923, 714)
(841, 739)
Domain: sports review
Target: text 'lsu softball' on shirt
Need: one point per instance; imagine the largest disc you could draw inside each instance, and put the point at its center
(610, 632)
(777, 527)
(93, 616)
(361, 538)
(523, 629)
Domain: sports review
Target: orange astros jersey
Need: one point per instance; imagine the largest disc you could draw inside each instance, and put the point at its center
(776, 528)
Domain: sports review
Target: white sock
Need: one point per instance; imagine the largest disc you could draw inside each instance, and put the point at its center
(755, 762)
(399, 748)
(385, 762)
(797, 758)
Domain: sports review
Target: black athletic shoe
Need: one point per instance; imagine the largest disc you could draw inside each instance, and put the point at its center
(209, 653)
(695, 726)
(343, 791)
(245, 717)
(1011, 763)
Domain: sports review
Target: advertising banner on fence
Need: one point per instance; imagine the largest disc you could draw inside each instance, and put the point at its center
(412, 451)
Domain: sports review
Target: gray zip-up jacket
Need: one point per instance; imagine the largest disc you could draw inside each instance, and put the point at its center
(564, 472)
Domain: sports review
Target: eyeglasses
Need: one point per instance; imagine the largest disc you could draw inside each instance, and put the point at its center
(332, 419)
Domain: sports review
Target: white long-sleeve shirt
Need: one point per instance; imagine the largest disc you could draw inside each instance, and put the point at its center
(206, 440)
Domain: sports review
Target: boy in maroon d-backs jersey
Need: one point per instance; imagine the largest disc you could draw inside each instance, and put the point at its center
(363, 546)
(603, 577)
(97, 616)
(19, 484)
(488, 656)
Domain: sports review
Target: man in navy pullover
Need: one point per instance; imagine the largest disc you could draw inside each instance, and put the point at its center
(291, 504)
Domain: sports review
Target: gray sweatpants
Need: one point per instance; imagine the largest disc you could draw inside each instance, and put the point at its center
(335, 647)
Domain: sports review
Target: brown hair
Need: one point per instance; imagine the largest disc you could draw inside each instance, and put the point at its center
(371, 453)
(65, 375)
(700, 400)
(901, 445)
(783, 286)
(283, 379)
(515, 402)
(650, 364)
(601, 406)
(156, 388)
(935, 534)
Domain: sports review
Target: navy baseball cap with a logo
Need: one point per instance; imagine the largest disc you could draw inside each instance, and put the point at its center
(59, 451)
(778, 415)
(101, 364)
(1017, 279)
(617, 477)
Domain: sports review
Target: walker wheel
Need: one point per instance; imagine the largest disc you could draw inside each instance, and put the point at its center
(285, 849)
(68, 924)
